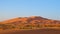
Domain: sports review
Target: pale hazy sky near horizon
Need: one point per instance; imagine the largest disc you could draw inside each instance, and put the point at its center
(21, 8)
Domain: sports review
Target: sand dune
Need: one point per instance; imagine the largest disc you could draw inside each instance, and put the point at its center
(18, 23)
(41, 31)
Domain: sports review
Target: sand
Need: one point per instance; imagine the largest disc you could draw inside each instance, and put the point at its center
(41, 31)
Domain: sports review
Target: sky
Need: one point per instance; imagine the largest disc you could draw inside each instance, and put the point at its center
(22, 8)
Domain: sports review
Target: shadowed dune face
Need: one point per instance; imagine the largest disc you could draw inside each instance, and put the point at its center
(41, 31)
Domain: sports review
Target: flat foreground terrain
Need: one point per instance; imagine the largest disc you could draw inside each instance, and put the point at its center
(41, 31)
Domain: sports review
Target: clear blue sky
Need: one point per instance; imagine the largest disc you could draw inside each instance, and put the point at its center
(18, 8)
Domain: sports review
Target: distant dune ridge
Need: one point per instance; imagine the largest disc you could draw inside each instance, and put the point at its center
(33, 22)
(30, 25)
(31, 19)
